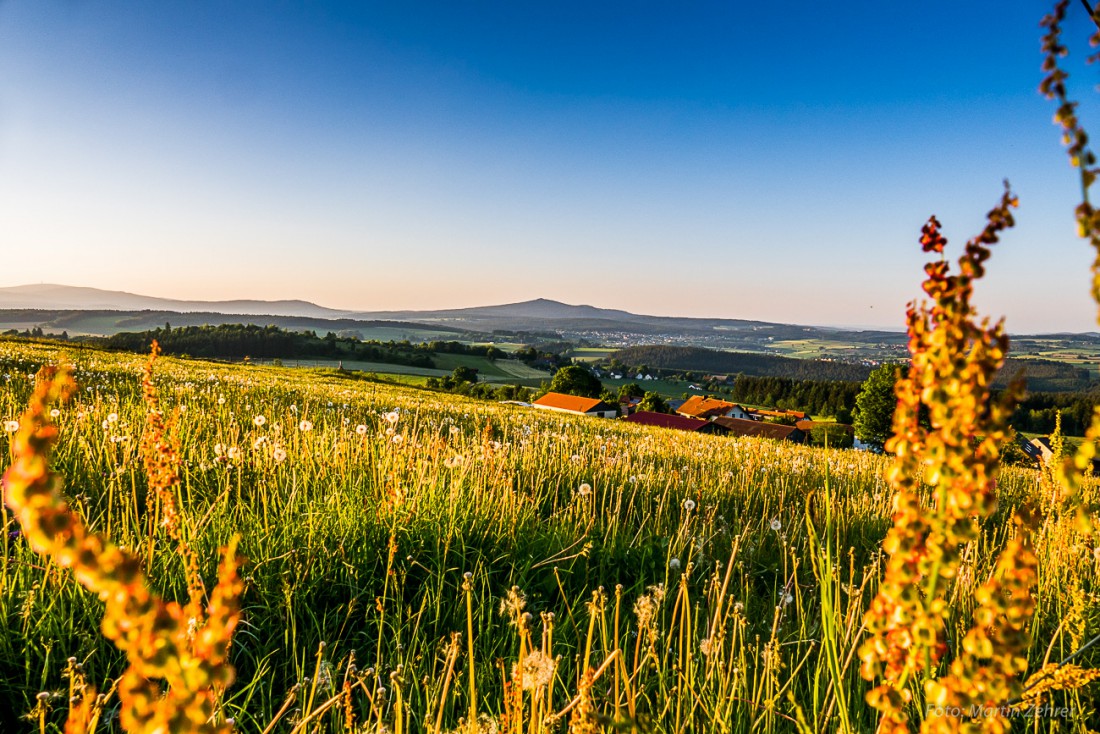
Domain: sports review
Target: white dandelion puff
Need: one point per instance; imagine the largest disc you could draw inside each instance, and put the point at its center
(536, 672)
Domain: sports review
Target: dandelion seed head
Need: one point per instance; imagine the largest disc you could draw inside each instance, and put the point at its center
(259, 421)
(305, 426)
(584, 489)
(647, 605)
(536, 671)
(512, 605)
(689, 504)
(776, 524)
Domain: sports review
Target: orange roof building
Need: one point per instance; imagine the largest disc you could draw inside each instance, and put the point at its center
(575, 404)
(699, 406)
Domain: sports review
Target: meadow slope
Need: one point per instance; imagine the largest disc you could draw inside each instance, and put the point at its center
(707, 572)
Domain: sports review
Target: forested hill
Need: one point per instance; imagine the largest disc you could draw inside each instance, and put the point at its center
(1046, 375)
(745, 363)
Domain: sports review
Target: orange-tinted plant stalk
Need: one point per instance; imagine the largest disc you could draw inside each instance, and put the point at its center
(177, 662)
(947, 429)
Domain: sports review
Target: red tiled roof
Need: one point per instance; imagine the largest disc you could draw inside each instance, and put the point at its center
(699, 406)
(759, 429)
(665, 420)
(572, 403)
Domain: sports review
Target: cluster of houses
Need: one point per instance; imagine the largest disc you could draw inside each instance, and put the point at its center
(701, 414)
(698, 413)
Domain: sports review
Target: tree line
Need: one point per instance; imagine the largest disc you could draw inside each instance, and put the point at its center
(238, 341)
(1038, 412)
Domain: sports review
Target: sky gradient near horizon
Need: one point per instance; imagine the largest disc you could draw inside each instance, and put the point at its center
(740, 160)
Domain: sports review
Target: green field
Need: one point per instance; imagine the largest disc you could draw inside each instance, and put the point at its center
(687, 569)
(504, 371)
(590, 354)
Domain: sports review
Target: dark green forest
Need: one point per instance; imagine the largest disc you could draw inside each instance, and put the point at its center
(238, 341)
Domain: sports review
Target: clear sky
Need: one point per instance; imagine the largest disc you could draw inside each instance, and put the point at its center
(758, 160)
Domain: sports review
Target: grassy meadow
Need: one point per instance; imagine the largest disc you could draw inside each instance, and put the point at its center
(419, 560)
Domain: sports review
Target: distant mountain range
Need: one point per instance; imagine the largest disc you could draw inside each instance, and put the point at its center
(612, 327)
(543, 313)
(66, 297)
(536, 314)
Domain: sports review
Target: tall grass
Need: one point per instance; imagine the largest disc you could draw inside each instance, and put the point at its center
(419, 563)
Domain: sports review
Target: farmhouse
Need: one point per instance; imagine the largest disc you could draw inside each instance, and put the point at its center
(562, 403)
(1040, 451)
(699, 406)
(1036, 449)
(679, 422)
(759, 429)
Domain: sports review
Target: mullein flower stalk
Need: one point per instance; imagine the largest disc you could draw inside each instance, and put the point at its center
(178, 663)
(1071, 470)
(954, 460)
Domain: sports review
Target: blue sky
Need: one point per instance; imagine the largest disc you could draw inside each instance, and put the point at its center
(744, 160)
